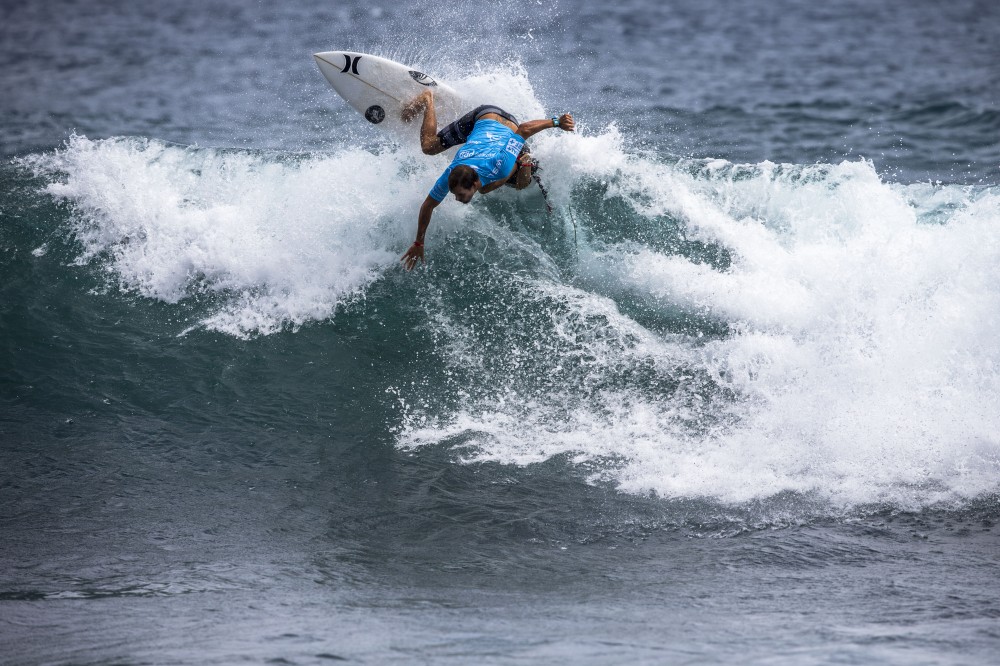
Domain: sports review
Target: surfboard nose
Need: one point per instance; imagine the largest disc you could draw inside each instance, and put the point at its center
(331, 57)
(332, 63)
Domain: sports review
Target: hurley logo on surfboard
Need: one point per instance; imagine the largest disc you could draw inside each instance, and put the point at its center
(350, 65)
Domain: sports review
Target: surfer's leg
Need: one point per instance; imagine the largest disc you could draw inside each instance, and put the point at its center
(416, 105)
(429, 141)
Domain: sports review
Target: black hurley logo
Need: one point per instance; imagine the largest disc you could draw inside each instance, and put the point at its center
(350, 65)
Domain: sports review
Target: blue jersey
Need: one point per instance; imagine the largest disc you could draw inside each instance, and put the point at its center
(491, 150)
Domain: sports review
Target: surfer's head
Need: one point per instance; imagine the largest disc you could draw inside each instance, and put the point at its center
(463, 181)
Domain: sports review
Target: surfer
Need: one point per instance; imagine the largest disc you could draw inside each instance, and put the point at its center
(495, 154)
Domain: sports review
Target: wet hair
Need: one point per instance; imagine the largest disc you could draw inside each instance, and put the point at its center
(462, 176)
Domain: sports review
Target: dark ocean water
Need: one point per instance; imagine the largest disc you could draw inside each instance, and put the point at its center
(736, 400)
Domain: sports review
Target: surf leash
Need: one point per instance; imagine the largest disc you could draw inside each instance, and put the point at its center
(545, 193)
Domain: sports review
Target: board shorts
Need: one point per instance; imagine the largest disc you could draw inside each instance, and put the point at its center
(459, 131)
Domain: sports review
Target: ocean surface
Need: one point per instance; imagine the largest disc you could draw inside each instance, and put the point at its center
(735, 400)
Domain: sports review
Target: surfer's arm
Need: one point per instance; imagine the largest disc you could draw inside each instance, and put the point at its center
(416, 251)
(532, 127)
(522, 174)
(486, 189)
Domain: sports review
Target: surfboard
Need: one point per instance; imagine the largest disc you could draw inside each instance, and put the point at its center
(379, 88)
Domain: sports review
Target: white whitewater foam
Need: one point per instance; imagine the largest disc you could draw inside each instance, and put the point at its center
(863, 345)
(282, 241)
(864, 340)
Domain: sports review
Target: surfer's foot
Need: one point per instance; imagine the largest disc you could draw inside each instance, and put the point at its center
(418, 104)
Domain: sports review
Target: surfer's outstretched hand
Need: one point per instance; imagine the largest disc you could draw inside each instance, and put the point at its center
(566, 123)
(416, 105)
(412, 256)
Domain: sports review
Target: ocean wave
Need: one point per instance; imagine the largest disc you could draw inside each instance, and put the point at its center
(686, 328)
(949, 114)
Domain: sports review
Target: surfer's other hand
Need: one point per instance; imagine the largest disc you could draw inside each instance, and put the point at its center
(566, 123)
(412, 256)
(417, 104)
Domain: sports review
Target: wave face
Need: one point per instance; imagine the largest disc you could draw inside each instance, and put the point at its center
(680, 327)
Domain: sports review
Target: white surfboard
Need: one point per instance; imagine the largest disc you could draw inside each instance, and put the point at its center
(379, 88)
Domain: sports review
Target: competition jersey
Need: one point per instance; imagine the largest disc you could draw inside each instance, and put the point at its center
(491, 150)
